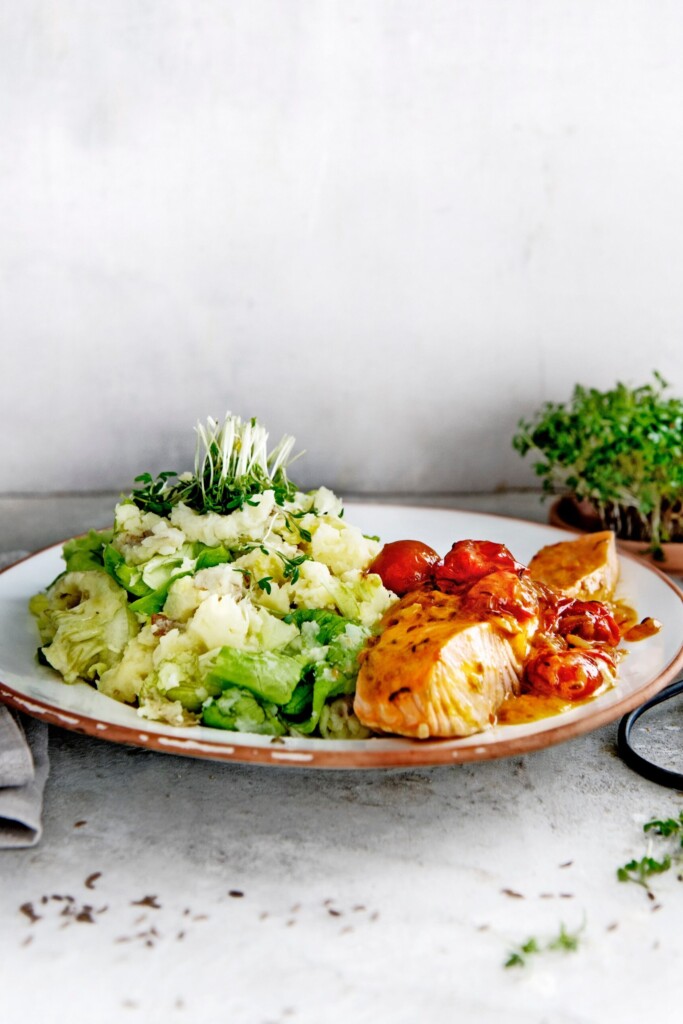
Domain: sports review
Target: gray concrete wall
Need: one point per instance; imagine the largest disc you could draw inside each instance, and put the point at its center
(389, 228)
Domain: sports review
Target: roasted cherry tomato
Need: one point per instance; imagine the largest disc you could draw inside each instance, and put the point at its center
(502, 593)
(589, 620)
(552, 605)
(469, 560)
(571, 674)
(404, 565)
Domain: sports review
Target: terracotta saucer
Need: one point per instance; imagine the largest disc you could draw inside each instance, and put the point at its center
(568, 516)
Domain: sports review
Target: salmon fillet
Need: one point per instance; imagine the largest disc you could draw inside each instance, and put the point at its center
(586, 568)
(435, 671)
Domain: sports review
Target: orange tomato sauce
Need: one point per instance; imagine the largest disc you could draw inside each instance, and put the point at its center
(529, 707)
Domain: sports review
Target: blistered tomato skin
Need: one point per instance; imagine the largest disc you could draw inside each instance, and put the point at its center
(570, 674)
(470, 560)
(589, 620)
(502, 593)
(404, 565)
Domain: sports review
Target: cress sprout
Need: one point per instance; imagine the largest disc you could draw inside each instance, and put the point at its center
(620, 450)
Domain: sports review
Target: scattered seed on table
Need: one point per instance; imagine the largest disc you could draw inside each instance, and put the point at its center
(147, 901)
(29, 912)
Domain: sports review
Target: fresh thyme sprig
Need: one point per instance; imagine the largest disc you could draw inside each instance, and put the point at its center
(518, 957)
(290, 566)
(565, 941)
(641, 871)
(232, 466)
(666, 827)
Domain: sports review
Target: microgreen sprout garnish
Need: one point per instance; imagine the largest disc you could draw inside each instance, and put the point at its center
(621, 450)
(567, 941)
(641, 871)
(564, 942)
(232, 466)
(518, 957)
(151, 496)
(666, 827)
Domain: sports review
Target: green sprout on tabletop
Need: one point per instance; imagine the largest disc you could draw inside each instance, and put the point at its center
(518, 957)
(620, 451)
(232, 465)
(666, 827)
(641, 871)
(564, 942)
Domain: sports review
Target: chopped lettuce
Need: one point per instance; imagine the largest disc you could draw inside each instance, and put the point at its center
(269, 675)
(301, 700)
(86, 619)
(84, 553)
(338, 721)
(329, 623)
(335, 674)
(125, 680)
(208, 557)
(129, 576)
(154, 600)
(239, 710)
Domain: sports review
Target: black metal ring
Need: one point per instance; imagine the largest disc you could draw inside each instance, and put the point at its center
(653, 772)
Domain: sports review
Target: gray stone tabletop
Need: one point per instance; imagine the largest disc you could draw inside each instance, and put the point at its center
(168, 889)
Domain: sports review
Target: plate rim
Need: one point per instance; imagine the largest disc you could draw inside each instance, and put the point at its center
(410, 754)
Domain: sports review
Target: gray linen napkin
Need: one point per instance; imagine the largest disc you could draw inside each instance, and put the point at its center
(24, 768)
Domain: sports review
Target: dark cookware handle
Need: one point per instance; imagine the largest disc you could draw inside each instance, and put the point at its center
(653, 772)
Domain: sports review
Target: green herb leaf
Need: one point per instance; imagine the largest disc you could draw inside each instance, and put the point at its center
(565, 941)
(639, 871)
(568, 941)
(621, 450)
(514, 960)
(291, 566)
(666, 827)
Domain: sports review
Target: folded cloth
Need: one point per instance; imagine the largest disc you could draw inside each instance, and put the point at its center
(24, 768)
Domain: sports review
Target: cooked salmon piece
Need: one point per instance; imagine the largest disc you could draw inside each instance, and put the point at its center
(586, 568)
(437, 670)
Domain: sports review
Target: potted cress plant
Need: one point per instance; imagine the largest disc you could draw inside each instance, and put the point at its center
(615, 459)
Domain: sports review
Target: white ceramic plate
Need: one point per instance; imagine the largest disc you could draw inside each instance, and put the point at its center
(649, 666)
